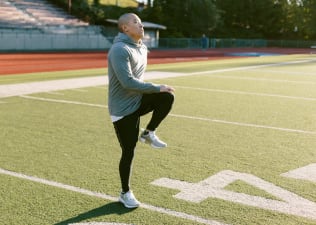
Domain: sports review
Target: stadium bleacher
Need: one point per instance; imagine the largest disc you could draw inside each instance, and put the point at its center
(36, 13)
(39, 25)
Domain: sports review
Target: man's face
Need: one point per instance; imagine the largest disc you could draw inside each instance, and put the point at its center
(134, 28)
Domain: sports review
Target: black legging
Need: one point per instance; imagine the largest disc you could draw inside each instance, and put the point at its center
(127, 129)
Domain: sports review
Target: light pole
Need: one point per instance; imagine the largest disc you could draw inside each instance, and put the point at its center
(69, 6)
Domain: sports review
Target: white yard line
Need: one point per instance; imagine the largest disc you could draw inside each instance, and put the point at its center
(79, 90)
(62, 101)
(72, 83)
(47, 86)
(54, 93)
(261, 79)
(244, 124)
(307, 173)
(183, 116)
(254, 67)
(299, 73)
(110, 198)
(247, 93)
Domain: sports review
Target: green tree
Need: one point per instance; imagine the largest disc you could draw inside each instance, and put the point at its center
(307, 19)
(183, 18)
(249, 18)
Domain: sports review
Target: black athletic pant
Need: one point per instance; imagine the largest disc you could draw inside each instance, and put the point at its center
(127, 129)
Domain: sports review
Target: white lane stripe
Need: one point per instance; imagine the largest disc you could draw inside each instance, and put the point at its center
(79, 90)
(285, 72)
(54, 93)
(10, 90)
(100, 87)
(183, 116)
(246, 93)
(71, 83)
(252, 67)
(110, 198)
(244, 124)
(260, 79)
(304, 173)
(62, 101)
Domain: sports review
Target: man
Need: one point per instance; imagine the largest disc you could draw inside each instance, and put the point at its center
(130, 97)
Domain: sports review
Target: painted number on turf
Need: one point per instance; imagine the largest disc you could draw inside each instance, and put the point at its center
(214, 187)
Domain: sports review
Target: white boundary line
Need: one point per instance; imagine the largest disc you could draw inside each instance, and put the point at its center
(72, 83)
(110, 198)
(182, 116)
(62, 101)
(261, 79)
(244, 124)
(78, 90)
(54, 93)
(247, 93)
(286, 72)
(253, 67)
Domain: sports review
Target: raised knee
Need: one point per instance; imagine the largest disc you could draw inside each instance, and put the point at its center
(169, 97)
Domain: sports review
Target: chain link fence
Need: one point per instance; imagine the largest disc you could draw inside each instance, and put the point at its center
(232, 43)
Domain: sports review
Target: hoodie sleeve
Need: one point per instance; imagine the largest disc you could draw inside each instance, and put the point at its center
(129, 65)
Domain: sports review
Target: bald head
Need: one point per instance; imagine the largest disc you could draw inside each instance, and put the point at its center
(124, 20)
(131, 25)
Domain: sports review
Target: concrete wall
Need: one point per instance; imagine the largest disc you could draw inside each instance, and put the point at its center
(34, 41)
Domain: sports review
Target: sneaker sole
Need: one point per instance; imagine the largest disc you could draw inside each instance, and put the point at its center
(143, 140)
(128, 206)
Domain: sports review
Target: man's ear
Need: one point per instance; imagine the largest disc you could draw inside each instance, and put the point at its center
(125, 28)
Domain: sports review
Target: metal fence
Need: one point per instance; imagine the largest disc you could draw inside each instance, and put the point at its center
(232, 43)
(52, 39)
(92, 39)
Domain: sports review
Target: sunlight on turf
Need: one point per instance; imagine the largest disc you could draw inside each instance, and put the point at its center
(75, 144)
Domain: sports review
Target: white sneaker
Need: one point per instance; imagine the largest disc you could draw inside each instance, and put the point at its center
(152, 139)
(128, 199)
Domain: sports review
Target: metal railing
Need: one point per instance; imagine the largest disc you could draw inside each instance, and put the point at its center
(232, 43)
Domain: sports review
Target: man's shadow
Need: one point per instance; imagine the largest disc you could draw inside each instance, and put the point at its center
(110, 208)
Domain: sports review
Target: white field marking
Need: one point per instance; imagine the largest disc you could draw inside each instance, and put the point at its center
(214, 187)
(244, 124)
(304, 173)
(110, 198)
(99, 223)
(54, 93)
(180, 116)
(53, 85)
(71, 83)
(252, 67)
(79, 90)
(101, 87)
(284, 71)
(262, 79)
(62, 101)
(247, 93)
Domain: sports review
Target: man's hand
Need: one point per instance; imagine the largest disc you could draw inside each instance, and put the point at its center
(166, 88)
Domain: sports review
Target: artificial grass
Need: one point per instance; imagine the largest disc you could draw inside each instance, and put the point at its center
(76, 145)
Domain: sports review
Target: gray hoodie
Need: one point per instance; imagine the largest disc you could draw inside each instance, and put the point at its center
(127, 62)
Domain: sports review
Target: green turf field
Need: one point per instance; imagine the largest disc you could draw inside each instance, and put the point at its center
(242, 149)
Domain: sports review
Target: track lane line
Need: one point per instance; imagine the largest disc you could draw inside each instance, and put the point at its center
(246, 93)
(183, 116)
(166, 211)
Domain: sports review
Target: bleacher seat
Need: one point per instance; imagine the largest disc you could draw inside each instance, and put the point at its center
(39, 25)
(34, 13)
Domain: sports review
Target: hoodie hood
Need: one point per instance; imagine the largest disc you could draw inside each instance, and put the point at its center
(121, 37)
